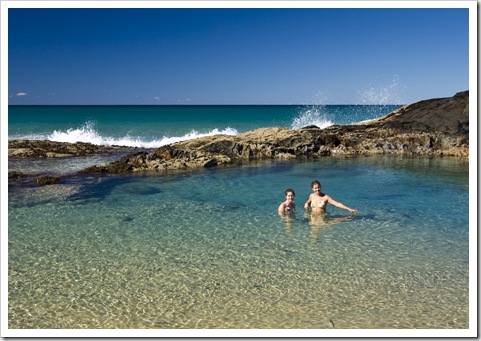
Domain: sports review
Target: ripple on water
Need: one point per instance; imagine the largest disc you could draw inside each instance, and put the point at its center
(148, 254)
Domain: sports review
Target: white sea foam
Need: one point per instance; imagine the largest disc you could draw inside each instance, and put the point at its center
(88, 133)
(85, 133)
(311, 116)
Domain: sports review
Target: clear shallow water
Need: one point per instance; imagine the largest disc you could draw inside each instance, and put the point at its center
(206, 249)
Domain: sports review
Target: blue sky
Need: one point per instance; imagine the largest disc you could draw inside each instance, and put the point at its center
(236, 56)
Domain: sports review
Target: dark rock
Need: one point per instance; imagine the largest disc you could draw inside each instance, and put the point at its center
(16, 175)
(449, 115)
(46, 180)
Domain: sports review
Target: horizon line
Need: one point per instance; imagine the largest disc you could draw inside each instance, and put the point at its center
(190, 104)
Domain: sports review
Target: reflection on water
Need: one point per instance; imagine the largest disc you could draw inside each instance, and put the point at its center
(208, 250)
(318, 221)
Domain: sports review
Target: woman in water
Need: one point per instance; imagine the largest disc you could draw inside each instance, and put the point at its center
(318, 201)
(287, 206)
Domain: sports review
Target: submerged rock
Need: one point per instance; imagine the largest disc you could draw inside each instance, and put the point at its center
(46, 180)
(16, 175)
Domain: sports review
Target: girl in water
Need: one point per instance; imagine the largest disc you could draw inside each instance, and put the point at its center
(318, 201)
(287, 206)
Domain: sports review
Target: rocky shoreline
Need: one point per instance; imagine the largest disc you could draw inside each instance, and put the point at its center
(431, 128)
(46, 148)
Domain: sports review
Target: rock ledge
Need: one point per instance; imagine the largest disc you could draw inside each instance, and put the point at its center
(436, 127)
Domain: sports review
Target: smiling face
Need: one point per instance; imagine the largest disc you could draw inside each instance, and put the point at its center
(316, 189)
(290, 196)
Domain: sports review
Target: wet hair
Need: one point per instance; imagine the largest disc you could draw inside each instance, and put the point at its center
(290, 190)
(315, 182)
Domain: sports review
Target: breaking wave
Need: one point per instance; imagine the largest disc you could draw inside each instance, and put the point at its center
(88, 133)
(311, 116)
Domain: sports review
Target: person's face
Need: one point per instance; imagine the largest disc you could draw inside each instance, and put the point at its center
(316, 189)
(290, 197)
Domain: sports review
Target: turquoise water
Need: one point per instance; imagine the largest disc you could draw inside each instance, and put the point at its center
(206, 249)
(154, 126)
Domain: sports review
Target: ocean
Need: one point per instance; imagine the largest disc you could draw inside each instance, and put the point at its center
(206, 249)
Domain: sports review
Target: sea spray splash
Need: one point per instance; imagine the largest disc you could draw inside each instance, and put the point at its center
(382, 94)
(85, 133)
(88, 133)
(312, 115)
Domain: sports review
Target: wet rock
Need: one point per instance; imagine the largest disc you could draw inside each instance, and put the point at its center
(46, 180)
(125, 165)
(16, 175)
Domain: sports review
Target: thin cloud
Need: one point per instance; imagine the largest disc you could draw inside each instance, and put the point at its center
(19, 94)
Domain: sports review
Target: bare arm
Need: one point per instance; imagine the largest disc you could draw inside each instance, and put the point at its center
(308, 202)
(340, 205)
